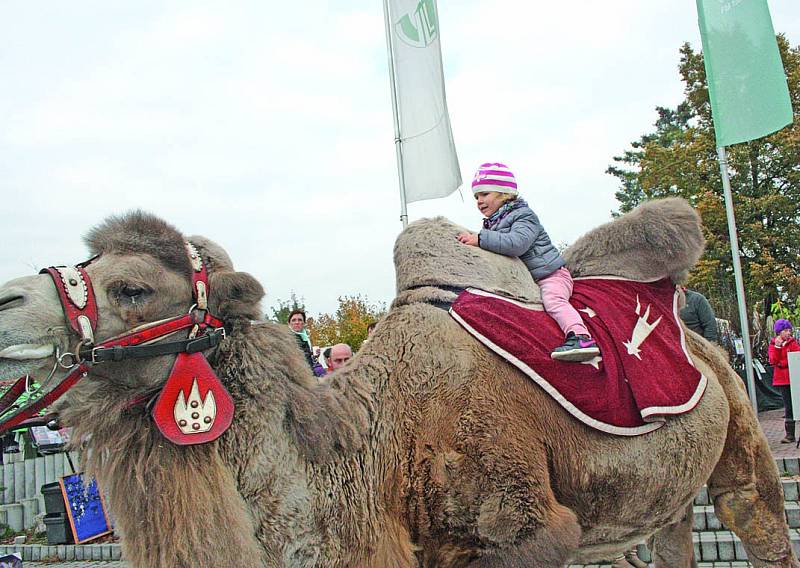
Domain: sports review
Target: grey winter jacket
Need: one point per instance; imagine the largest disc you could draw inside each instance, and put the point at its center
(698, 315)
(521, 234)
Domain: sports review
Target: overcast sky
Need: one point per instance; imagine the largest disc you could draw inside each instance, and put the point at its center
(267, 126)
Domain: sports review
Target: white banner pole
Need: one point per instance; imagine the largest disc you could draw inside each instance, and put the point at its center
(397, 140)
(737, 275)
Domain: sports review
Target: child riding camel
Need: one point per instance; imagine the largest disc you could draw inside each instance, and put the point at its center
(511, 228)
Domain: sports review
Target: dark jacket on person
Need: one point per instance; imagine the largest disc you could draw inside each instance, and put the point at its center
(779, 359)
(698, 315)
(521, 234)
(305, 347)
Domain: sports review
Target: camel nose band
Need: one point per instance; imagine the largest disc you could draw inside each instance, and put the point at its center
(77, 299)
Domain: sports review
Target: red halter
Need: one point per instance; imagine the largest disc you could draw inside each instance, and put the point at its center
(182, 414)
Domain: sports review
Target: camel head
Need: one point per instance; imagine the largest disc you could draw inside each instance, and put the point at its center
(141, 274)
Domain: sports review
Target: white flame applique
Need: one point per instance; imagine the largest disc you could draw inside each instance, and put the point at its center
(195, 415)
(642, 330)
(594, 362)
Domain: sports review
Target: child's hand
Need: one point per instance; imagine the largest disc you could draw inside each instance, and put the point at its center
(470, 239)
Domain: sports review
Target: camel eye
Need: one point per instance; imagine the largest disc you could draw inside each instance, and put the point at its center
(131, 293)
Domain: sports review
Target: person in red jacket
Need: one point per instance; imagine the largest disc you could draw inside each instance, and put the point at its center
(779, 348)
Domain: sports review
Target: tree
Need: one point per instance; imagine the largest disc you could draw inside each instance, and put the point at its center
(348, 324)
(285, 307)
(669, 126)
(680, 159)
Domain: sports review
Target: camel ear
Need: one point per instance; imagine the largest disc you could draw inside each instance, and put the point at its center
(235, 295)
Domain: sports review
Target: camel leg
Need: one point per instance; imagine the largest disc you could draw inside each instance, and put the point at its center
(549, 546)
(393, 548)
(745, 486)
(672, 547)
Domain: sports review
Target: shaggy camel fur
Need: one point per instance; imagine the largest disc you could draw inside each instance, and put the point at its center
(427, 450)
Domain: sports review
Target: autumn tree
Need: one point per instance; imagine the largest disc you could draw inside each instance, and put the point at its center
(680, 159)
(348, 324)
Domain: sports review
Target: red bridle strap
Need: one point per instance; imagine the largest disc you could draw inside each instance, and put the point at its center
(77, 298)
(161, 329)
(13, 393)
(32, 409)
(80, 309)
(141, 336)
(200, 287)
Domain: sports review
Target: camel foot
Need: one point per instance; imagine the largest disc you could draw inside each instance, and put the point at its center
(785, 563)
(632, 558)
(672, 546)
(758, 519)
(621, 562)
(629, 560)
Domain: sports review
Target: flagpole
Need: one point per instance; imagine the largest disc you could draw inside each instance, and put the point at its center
(737, 274)
(398, 147)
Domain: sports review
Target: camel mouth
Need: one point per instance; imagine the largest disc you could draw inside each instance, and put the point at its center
(27, 351)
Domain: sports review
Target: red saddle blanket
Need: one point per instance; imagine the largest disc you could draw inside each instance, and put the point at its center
(643, 372)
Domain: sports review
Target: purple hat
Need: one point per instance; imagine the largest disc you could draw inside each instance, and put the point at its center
(782, 324)
(494, 177)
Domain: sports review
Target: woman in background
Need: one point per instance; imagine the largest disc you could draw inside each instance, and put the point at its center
(297, 323)
(779, 348)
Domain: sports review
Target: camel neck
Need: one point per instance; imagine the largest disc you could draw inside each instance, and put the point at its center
(300, 446)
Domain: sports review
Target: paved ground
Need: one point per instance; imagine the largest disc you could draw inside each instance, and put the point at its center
(772, 425)
(81, 564)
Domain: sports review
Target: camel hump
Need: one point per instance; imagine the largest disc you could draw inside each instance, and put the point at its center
(430, 262)
(661, 238)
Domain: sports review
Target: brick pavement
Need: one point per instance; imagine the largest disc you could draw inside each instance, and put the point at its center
(77, 564)
(772, 426)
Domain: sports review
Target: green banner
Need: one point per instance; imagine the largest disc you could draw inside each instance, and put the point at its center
(746, 81)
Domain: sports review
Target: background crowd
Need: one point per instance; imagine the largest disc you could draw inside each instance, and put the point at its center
(325, 359)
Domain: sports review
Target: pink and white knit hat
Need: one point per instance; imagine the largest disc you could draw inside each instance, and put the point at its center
(494, 177)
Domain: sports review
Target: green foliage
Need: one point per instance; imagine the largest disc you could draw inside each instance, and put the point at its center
(280, 313)
(7, 533)
(680, 159)
(348, 324)
(780, 310)
(669, 128)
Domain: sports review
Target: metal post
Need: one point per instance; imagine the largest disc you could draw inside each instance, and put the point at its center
(397, 140)
(737, 274)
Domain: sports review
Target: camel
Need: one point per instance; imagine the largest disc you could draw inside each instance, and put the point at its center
(426, 450)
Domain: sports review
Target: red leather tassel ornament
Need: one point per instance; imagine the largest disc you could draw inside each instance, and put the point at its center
(194, 407)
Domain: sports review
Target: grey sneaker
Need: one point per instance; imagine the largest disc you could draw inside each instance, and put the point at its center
(577, 348)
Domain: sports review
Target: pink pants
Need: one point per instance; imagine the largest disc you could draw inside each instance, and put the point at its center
(556, 290)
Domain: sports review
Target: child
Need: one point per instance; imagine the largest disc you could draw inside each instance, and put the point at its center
(511, 228)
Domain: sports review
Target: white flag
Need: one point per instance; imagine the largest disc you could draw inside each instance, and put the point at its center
(429, 162)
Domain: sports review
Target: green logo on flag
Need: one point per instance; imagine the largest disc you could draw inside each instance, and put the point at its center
(420, 28)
